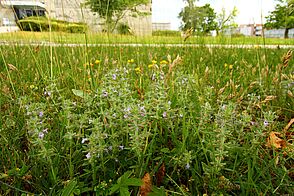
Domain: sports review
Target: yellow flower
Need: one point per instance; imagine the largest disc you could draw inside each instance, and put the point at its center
(32, 86)
(163, 62)
(138, 69)
(131, 61)
(154, 61)
(226, 65)
(150, 66)
(91, 64)
(231, 66)
(97, 62)
(17, 169)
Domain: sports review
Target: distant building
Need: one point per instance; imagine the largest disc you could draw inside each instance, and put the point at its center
(278, 33)
(69, 10)
(250, 29)
(161, 26)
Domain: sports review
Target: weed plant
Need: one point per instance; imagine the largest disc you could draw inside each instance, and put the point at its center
(93, 121)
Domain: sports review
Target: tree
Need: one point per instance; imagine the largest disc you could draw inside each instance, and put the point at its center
(114, 10)
(226, 21)
(200, 18)
(282, 17)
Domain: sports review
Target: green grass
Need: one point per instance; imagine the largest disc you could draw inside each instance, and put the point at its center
(96, 38)
(72, 124)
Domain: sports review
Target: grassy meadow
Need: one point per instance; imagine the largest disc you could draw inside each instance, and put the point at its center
(137, 120)
(103, 38)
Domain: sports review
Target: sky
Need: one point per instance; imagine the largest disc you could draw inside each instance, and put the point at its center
(249, 11)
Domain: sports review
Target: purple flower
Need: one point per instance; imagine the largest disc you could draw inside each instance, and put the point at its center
(128, 109)
(164, 114)
(104, 94)
(88, 156)
(41, 114)
(41, 135)
(114, 76)
(142, 108)
(265, 123)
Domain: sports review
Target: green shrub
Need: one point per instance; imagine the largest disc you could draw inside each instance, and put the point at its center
(166, 33)
(43, 24)
(124, 29)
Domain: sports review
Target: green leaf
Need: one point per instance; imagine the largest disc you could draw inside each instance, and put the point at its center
(157, 191)
(2, 175)
(114, 188)
(79, 93)
(124, 182)
(126, 175)
(70, 188)
(165, 150)
(124, 191)
(132, 182)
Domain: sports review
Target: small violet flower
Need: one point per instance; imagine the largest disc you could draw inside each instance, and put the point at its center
(41, 114)
(164, 114)
(114, 76)
(265, 123)
(41, 135)
(104, 94)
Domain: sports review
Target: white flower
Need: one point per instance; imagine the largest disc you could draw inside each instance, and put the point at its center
(187, 166)
(88, 156)
(84, 140)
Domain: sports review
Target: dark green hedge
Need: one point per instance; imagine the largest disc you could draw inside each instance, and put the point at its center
(43, 24)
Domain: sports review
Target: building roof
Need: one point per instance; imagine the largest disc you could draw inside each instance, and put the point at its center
(22, 3)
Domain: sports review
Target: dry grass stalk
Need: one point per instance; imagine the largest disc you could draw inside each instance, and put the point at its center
(288, 125)
(286, 58)
(12, 67)
(188, 33)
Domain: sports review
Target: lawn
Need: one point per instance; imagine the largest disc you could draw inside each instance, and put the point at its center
(98, 38)
(187, 121)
